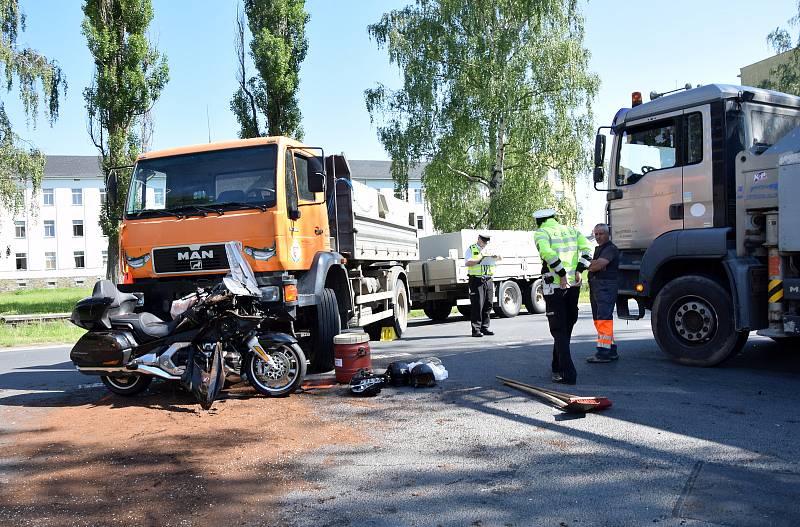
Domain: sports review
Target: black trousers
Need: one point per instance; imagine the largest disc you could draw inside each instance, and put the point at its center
(481, 292)
(562, 313)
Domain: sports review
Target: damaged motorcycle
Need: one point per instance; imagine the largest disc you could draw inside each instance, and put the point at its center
(222, 333)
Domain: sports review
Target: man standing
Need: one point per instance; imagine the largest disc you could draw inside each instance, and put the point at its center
(565, 254)
(480, 268)
(603, 294)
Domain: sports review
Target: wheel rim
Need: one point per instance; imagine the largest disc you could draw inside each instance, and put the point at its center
(510, 299)
(538, 296)
(694, 321)
(124, 383)
(401, 309)
(281, 374)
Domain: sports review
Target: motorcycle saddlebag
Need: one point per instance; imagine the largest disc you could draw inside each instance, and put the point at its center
(98, 349)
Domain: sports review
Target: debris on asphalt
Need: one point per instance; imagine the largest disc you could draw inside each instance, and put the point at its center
(566, 402)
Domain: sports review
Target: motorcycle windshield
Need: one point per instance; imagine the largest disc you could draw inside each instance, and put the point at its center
(240, 279)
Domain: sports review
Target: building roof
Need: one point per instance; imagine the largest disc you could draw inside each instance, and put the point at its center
(72, 167)
(365, 169)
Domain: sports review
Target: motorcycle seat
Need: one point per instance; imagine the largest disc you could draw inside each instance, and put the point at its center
(116, 298)
(145, 326)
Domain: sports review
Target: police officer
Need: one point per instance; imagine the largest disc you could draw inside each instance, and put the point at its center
(480, 268)
(565, 254)
(603, 293)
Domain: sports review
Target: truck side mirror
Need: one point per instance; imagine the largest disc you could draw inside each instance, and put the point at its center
(316, 182)
(599, 174)
(111, 189)
(599, 152)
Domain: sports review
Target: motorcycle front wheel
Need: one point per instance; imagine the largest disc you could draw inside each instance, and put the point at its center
(283, 376)
(127, 385)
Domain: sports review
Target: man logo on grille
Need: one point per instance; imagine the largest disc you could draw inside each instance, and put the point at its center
(196, 265)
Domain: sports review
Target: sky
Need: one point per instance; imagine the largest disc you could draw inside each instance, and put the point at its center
(635, 46)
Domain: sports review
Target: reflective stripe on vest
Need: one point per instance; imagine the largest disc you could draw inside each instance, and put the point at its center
(478, 270)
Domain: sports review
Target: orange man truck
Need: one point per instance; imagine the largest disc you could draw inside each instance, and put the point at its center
(328, 252)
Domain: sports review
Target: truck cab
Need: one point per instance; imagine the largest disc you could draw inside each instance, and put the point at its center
(327, 252)
(671, 190)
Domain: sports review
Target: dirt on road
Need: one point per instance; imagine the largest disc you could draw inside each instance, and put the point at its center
(159, 460)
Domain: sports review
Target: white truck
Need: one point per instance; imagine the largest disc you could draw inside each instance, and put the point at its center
(439, 280)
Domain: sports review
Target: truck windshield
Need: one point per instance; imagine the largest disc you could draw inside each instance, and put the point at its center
(215, 181)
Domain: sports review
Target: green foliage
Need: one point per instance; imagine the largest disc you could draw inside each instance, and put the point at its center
(277, 48)
(495, 96)
(786, 76)
(40, 83)
(128, 79)
(41, 301)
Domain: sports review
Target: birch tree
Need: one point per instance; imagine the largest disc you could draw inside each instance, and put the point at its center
(40, 83)
(495, 96)
(785, 76)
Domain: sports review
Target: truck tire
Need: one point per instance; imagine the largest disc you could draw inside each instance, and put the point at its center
(533, 298)
(693, 324)
(437, 310)
(400, 320)
(509, 300)
(325, 324)
(465, 310)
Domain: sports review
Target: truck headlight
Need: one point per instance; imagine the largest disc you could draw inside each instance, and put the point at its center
(138, 261)
(271, 293)
(260, 254)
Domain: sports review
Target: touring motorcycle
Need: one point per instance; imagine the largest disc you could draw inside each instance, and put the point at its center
(221, 333)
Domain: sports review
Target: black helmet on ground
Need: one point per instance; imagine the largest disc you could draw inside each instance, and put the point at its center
(365, 383)
(398, 374)
(422, 375)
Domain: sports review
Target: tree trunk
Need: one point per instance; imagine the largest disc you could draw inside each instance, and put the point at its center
(112, 266)
(496, 182)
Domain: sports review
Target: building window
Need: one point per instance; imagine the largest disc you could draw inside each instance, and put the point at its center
(51, 283)
(22, 261)
(420, 222)
(22, 284)
(80, 263)
(77, 196)
(80, 282)
(105, 258)
(77, 228)
(418, 196)
(19, 229)
(102, 195)
(49, 228)
(47, 197)
(50, 261)
(158, 196)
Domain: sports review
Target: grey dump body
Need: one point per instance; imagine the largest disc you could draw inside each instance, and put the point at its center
(701, 190)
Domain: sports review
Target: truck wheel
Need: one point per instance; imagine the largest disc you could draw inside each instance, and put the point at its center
(325, 324)
(400, 320)
(437, 310)
(692, 322)
(465, 310)
(127, 385)
(509, 300)
(534, 298)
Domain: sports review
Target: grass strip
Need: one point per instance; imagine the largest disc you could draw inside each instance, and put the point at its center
(56, 332)
(40, 301)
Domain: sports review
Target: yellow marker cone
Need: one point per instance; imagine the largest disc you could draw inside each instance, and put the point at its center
(388, 334)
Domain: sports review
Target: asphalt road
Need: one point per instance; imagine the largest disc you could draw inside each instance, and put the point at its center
(680, 446)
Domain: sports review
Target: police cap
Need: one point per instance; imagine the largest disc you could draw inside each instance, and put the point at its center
(485, 236)
(544, 213)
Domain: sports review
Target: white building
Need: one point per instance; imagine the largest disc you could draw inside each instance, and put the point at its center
(56, 240)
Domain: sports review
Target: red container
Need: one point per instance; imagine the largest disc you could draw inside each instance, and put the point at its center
(350, 354)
